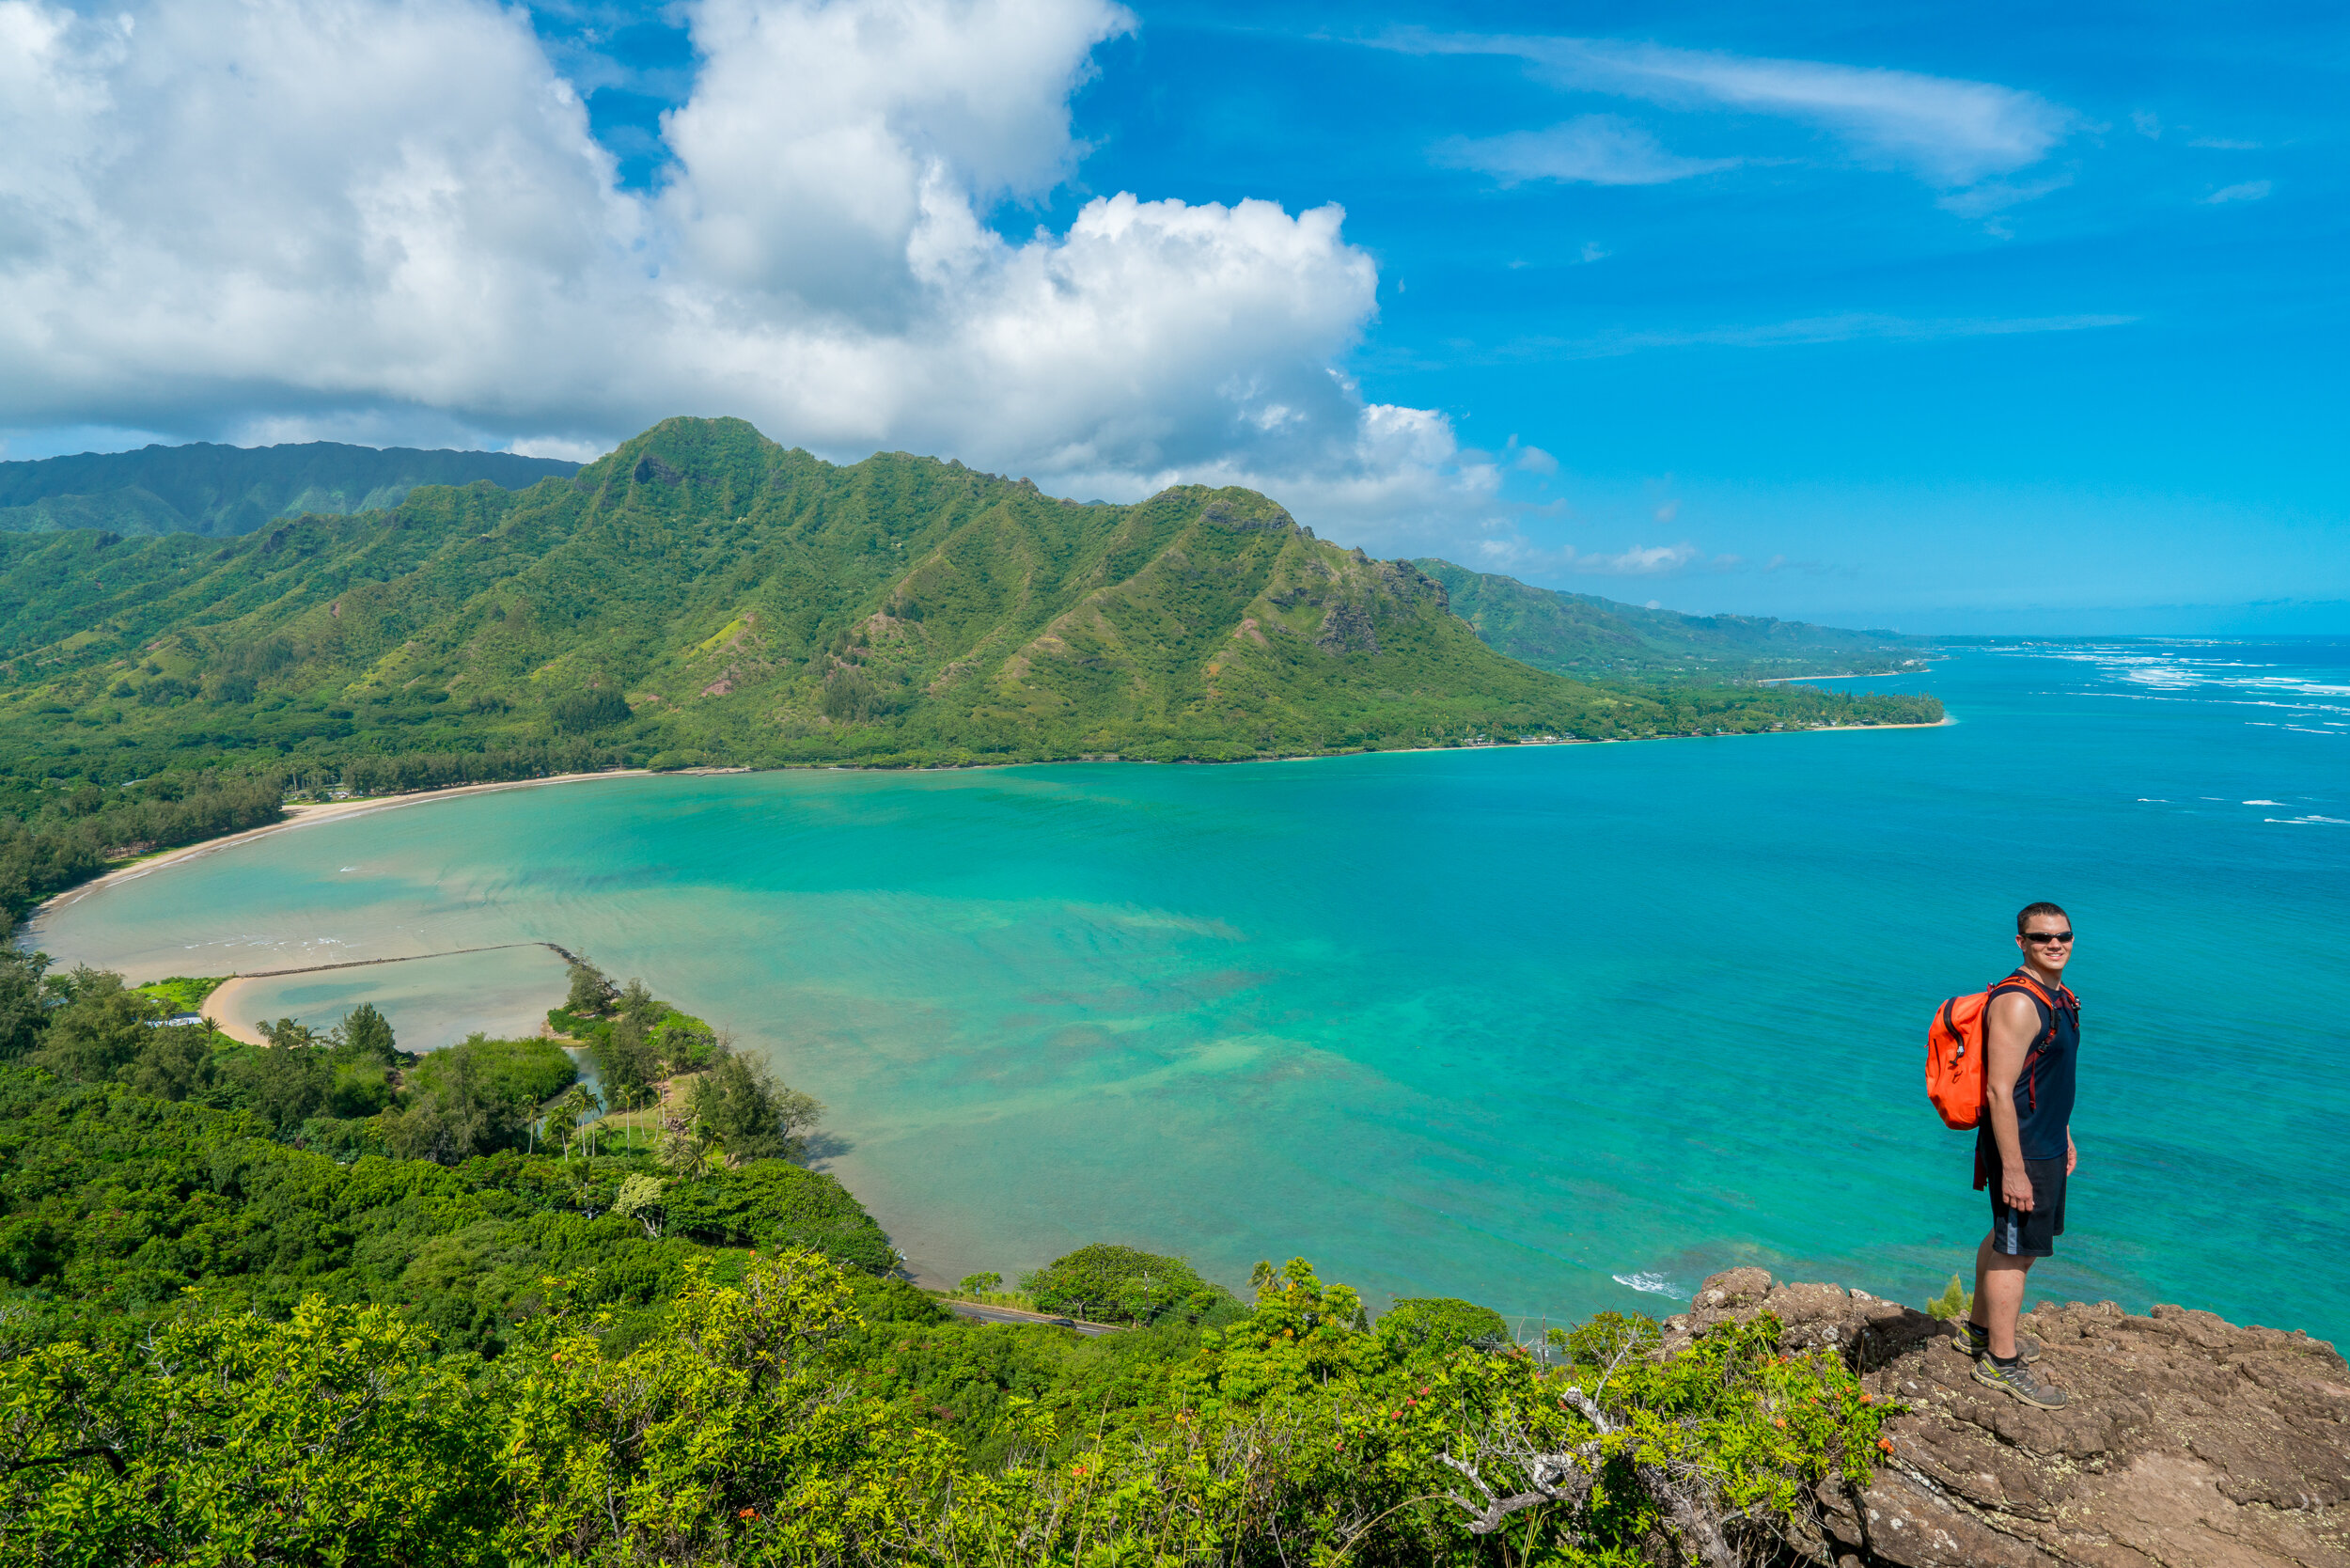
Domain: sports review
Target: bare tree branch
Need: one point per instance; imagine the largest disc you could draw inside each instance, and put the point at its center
(1699, 1523)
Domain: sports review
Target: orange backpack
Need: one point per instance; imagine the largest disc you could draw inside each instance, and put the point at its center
(1954, 1047)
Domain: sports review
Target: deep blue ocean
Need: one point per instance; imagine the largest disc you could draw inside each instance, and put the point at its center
(1555, 1029)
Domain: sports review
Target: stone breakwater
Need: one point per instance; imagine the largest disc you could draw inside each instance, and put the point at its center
(2189, 1442)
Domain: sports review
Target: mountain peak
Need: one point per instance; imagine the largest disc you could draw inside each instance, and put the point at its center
(725, 598)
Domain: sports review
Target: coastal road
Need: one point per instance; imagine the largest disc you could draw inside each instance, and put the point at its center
(981, 1312)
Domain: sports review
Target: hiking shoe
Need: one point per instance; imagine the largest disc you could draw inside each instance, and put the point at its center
(1976, 1341)
(2020, 1381)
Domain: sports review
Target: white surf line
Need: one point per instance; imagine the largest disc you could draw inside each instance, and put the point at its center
(1848, 675)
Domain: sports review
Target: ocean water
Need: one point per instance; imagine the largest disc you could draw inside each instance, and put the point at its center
(434, 1002)
(1554, 1029)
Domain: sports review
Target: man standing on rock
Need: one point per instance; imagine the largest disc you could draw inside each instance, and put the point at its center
(2031, 1039)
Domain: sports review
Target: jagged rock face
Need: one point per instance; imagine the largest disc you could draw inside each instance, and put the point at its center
(2189, 1442)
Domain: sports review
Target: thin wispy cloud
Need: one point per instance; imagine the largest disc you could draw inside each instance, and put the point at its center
(2251, 190)
(1594, 150)
(1514, 553)
(1946, 129)
(1844, 328)
(1997, 195)
(1653, 560)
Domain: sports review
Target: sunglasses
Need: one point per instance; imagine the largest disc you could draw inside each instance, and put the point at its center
(2043, 938)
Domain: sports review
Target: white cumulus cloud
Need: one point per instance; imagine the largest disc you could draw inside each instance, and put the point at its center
(383, 219)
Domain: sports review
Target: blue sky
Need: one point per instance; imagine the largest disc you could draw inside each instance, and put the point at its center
(1983, 318)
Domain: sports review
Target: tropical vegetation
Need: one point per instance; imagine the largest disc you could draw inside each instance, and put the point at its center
(324, 1302)
(217, 1347)
(1584, 635)
(209, 489)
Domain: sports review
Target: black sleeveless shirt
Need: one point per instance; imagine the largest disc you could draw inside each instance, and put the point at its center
(2044, 1090)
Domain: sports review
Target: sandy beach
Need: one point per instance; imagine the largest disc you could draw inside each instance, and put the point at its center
(228, 1003)
(303, 816)
(1943, 722)
(221, 1009)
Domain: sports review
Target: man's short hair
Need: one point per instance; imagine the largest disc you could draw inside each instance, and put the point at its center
(2023, 915)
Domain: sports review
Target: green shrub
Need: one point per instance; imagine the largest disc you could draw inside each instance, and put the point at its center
(772, 1203)
(1439, 1323)
(525, 1072)
(1122, 1284)
(1956, 1300)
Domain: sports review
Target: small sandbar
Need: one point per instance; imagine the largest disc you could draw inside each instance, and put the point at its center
(432, 1002)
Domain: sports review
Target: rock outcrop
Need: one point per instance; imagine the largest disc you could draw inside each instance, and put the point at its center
(2187, 1442)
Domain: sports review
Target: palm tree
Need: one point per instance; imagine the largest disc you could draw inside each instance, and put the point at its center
(578, 1103)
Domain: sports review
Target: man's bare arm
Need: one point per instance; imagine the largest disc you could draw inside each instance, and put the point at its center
(2008, 1032)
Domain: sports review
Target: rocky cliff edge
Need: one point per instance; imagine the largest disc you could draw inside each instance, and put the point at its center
(2189, 1442)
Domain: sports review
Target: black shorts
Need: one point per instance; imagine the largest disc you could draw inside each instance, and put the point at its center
(2031, 1232)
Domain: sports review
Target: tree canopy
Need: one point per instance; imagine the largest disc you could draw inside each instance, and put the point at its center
(511, 1357)
(1122, 1284)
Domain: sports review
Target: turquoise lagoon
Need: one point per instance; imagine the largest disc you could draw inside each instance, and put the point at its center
(501, 991)
(1556, 1028)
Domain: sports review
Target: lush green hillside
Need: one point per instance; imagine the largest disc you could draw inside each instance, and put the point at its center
(1582, 634)
(219, 491)
(702, 594)
(218, 1347)
(138, 1161)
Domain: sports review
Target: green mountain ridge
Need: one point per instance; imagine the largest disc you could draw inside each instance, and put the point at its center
(219, 491)
(704, 595)
(1583, 634)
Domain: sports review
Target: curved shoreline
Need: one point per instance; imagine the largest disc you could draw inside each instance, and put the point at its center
(302, 816)
(250, 1033)
(215, 1011)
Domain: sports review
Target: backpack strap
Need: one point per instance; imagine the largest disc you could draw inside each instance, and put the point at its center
(2047, 1006)
(2041, 999)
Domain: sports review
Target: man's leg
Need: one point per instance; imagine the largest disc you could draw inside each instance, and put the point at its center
(1999, 1296)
